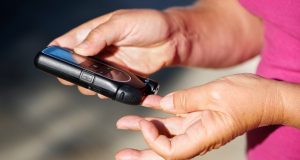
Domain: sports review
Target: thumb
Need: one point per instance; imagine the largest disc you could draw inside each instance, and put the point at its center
(104, 35)
(185, 101)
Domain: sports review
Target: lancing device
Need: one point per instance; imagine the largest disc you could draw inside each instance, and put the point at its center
(96, 75)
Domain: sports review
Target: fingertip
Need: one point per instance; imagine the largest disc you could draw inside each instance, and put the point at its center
(102, 36)
(133, 154)
(121, 123)
(167, 102)
(90, 46)
(64, 82)
(63, 41)
(53, 43)
(82, 49)
(102, 97)
(127, 154)
(128, 122)
(152, 101)
(86, 91)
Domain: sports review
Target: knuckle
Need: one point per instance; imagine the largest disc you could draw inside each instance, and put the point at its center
(119, 14)
(181, 101)
(96, 33)
(226, 86)
(219, 89)
(95, 36)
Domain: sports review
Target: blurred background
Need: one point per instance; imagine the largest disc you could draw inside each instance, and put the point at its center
(43, 120)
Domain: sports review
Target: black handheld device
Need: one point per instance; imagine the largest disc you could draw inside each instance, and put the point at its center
(95, 75)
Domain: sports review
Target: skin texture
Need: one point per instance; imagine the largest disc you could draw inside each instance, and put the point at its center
(129, 42)
(206, 41)
(211, 33)
(208, 116)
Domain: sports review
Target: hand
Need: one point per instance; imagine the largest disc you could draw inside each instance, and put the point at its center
(207, 117)
(142, 41)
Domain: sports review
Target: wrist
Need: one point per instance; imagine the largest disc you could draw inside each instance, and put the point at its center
(272, 104)
(215, 34)
(291, 102)
(179, 35)
(281, 105)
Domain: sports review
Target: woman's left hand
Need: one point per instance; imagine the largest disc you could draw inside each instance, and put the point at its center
(205, 117)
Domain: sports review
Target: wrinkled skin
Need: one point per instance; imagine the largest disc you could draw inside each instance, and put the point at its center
(204, 117)
(151, 44)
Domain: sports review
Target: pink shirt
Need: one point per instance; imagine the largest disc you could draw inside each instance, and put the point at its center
(280, 60)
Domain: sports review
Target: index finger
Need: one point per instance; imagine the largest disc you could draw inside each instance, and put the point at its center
(78, 34)
(152, 101)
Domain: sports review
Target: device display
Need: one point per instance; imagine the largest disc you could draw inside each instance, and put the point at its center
(96, 75)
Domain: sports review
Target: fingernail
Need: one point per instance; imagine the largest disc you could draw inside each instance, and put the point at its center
(167, 102)
(146, 104)
(120, 125)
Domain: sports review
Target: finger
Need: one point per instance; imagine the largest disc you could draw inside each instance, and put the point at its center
(86, 91)
(102, 96)
(186, 101)
(152, 101)
(64, 82)
(132, 154)
(78, 34)
(160, 143)
(172, 148)
(169, 126)
(104, 35)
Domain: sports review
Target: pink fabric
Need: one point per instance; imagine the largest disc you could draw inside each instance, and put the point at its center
(280, 60)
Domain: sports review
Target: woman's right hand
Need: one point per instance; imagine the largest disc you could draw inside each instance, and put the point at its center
(211, 33)
(141, 41)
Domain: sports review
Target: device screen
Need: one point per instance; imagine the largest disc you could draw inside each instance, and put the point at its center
(87, 63)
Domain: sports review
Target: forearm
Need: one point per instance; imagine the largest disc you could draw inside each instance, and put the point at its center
(290, 95)
(280, 103)
(215, 33)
